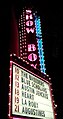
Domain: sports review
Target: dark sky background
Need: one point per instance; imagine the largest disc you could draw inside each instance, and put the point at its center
(52, 27)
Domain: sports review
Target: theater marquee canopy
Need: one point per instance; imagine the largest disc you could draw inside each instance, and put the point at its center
(30, 93)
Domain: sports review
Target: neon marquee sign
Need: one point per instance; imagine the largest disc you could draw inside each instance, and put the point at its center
(31, 47)
(29, 22)
(31, 42)
(29, 93)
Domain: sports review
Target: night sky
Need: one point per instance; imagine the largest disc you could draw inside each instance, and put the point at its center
(52, 29)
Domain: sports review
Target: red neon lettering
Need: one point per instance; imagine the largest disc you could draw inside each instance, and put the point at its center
(30, 30)
(31, 47)
(32, 57)
(29, 23)
(29, 17)
(34, 65)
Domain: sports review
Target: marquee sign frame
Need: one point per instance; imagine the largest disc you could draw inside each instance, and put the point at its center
(35, 73)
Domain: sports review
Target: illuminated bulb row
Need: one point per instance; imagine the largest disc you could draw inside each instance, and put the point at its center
(24, 34)
(38, 27)
(20, 36)
(21, 59)
(53, 102)
(41, 53)
(55, 106)
(26, 61)
(40, 43)
(9, 104)
(23, 25)
(18, 58)
(41, 56)
(40, 46)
